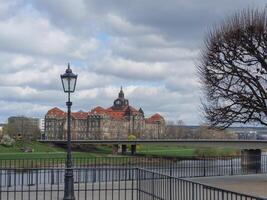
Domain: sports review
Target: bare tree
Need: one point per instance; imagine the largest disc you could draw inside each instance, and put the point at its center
(233, 70)
(205, 132)
(178, 130)
(182, 131)
(171, 130)
(27, 128)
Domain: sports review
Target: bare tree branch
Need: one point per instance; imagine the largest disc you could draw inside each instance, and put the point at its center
(233, 70)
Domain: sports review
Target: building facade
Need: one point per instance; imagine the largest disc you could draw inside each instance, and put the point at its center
(24, 127)
(116, 122)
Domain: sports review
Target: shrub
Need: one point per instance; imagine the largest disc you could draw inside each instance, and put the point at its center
(131, 137)
(7, 141)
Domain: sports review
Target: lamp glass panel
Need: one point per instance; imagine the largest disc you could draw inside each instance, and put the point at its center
(65, 84)
(72, 84)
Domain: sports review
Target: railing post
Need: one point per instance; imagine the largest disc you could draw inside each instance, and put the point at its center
(138, 184)
(232, 172)
(153, 191)
(204, 165)
(170, 188)
(193, 191)
(31, 176)
(8, 178)
(94, 171)
(171, 168)
(52, 177)
(132, 182)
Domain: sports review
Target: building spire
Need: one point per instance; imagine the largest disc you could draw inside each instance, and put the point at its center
(121, 93)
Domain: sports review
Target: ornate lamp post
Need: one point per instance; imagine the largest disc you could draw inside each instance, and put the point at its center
(69, 82)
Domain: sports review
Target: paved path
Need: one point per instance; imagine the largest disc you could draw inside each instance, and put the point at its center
(247, 184)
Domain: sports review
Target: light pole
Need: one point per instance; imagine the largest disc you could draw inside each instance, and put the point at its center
(69, 82)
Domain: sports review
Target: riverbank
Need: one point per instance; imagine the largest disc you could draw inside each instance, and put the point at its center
(34, 149)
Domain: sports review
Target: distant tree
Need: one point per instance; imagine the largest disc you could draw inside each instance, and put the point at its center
(171, 130)
(24, 127)
(178, 130)
(181, 130)
(233, 70)
(170, 123)
(205, 132)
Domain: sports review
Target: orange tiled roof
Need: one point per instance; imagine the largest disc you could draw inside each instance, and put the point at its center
(98, 110)
(131, 108)
(60, 113)
(116, 114)
(119, 114)
(79, 115)
(56, 112)
(154, 118)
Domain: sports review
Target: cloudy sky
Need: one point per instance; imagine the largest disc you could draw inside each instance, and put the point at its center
(150, 47)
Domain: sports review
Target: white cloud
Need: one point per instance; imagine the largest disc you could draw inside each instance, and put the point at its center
(148, 47)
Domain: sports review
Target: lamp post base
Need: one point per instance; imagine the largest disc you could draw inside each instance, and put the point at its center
(69, 185)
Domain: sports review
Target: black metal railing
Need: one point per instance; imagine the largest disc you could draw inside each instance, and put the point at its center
(108, 184)
(48, 183)
(178, 167)
(25, 177)
(152, 185)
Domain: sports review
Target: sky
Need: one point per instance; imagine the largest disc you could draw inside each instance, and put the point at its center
(150, 47)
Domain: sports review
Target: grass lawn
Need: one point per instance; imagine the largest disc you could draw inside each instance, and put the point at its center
(164, 150)
(47, 154)
(41, 150)
(36, 146)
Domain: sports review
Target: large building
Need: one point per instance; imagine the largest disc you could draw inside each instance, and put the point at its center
(116, 122)
(25, 127)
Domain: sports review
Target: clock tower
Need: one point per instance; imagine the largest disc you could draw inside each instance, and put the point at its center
(120, 103)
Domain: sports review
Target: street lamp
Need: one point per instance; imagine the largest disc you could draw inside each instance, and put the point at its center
(69, 82)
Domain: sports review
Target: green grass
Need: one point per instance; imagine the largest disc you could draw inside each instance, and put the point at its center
(43, 155)
(177, 151)
(47, 154)
(216, 152)
(36, 146)
(41, 150)
(166, 150)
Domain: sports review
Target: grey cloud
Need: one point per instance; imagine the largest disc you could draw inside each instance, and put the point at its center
(8, 108)
(137, 49)
(148, 46)
(183, 21)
